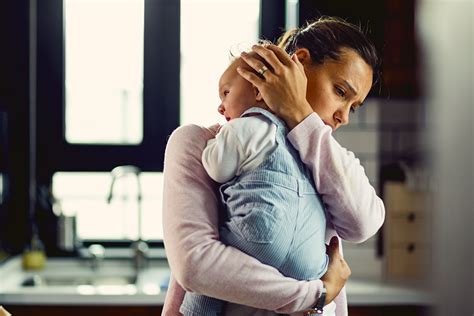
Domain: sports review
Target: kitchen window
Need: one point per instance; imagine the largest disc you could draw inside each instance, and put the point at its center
(153, 65)
(104, 71)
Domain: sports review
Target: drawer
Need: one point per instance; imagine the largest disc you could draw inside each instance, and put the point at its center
(399, 199)
(408, 260)
(408, 227)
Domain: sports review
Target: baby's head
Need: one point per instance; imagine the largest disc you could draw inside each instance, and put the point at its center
(237, 94)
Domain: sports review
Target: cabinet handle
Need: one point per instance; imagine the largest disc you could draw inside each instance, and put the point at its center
(411, 247)
(411, 217)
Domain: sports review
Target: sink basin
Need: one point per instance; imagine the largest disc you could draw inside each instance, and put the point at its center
(45, 281)
(75, 275)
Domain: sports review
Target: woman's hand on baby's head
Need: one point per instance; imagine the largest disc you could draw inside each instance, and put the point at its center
(281, 81)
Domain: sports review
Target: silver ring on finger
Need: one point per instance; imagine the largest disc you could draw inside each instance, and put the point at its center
(262, 70)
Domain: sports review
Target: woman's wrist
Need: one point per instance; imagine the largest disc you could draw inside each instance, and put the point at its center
(330, 295)
(293, 118)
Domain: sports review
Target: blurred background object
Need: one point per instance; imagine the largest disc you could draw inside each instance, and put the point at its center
(447, 31)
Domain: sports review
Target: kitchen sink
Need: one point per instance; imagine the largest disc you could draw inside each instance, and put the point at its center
(44, 281)
(75, 275)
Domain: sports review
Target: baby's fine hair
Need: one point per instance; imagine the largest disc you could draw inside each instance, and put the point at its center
(236, 50)
(325, 37)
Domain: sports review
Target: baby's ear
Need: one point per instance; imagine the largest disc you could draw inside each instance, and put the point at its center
(258, 95)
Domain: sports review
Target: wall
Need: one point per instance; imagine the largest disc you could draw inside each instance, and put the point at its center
(381, 133)
(448, 28)
(362, 136)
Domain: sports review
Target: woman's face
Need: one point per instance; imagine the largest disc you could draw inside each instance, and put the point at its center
(338, 87)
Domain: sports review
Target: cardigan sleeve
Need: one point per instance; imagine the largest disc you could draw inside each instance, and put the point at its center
(353, 207)
(198, 260)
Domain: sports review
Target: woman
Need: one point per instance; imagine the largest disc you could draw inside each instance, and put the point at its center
(329, 74)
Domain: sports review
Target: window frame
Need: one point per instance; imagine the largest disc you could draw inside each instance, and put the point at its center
(160, 95)
(161, 90)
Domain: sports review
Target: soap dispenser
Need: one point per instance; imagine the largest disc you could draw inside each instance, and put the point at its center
(34, 256)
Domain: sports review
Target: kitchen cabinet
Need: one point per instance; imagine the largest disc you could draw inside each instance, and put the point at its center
(407, 231)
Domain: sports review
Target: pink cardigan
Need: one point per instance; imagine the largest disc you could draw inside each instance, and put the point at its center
(201, 263)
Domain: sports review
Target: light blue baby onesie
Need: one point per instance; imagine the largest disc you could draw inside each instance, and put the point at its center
(274, 215)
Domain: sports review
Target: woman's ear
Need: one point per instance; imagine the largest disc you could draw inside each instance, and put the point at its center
(304, 56)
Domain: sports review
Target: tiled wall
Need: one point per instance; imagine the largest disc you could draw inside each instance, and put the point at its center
(362, 137)
(402, 123)
(380, 133)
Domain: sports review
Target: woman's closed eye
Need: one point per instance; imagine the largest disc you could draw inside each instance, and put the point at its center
(340, 91)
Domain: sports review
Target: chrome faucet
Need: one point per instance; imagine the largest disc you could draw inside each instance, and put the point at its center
(139, 246)
(97, 254)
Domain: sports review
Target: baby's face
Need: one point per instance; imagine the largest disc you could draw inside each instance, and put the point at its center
(237, 94)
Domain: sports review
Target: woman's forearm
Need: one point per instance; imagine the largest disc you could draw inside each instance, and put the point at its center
(355, 210)
(198, 260)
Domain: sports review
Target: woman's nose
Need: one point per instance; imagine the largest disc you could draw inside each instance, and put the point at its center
(221, 109)
(342, 117)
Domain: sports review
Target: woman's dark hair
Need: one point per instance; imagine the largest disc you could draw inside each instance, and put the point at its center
(325, 37)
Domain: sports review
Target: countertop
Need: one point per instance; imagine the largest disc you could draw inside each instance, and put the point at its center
(360, 292)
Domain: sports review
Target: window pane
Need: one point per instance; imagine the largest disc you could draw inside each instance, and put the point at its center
(85, 195)
(104, 71)
(209, 30)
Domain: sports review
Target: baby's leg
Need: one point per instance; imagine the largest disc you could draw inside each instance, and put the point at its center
(200, 305)
(255, 232)
(307, 257)
(263, 231)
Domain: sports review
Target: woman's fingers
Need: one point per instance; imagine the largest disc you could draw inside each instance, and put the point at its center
(297, 62)
(280, 53)
(333, 249)
(269, 57)
(250, 77)
(273, 56)
(256, 64)
(276, 58)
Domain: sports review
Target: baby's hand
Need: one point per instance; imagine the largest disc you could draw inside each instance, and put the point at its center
(215, 129)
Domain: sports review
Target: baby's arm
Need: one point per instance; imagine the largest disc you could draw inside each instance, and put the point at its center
(240, 145)
(223, 154)
(353, 207)
(198, 260)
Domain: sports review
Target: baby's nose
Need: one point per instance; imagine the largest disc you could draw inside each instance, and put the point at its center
(221, 109)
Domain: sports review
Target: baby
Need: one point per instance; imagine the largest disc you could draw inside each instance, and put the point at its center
(273, 210)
